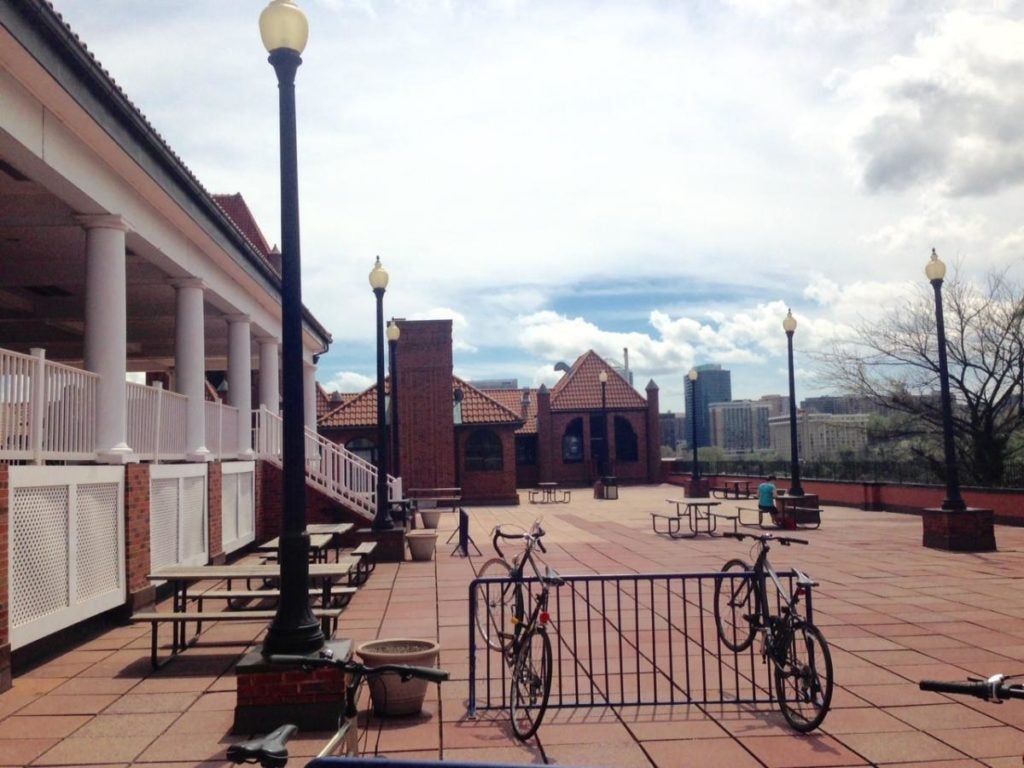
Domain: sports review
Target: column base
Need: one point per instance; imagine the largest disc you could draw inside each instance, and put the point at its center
(199, 455)
(967, 530)
(697, 489)
(119, 454)
(270, 695)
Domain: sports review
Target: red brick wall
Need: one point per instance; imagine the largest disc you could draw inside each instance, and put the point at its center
(136, 531)
(214, 510)
(630, 471)
(319, 508)
(5, 629)
(427, 437)
(490, 487)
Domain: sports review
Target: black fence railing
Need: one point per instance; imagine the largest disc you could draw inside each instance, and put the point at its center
(629, 639)
(851, 471)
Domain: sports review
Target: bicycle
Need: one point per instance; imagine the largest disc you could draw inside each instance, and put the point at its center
(795, 647)
(526, 648)
(270, 751)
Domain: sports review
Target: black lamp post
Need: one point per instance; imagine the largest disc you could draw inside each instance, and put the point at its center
(935, 270)
(294, 629)
(605, 453)
(795, 489)
(692, 376)
(393, 334)
(382, 519)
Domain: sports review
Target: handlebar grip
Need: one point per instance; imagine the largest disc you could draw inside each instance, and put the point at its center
(430, 674)
(978, 688)
(787, 540)
(540, 544)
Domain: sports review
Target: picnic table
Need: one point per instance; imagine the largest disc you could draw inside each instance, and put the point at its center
(698, 514)
(319, 543)
(337, 532)
(732, 489)
(548, 493)
(435, 498)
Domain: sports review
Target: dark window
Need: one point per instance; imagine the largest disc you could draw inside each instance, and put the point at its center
(572, 442)
(526, 450)
(625, 440)
(363, 448)
(483, 452)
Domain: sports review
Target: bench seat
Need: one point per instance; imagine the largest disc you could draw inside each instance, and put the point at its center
(670, 523)
(366, 562)
(328, 623)
(339, 596)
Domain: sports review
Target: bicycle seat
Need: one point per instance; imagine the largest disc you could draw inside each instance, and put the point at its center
(551, 578)
(269, 751)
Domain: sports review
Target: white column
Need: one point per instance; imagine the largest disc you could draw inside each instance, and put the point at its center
(270, 375)
(240, 379)
(309, 393)
(106, 331)
(190, 364)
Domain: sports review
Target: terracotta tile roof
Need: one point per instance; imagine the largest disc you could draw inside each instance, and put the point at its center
(580, 388)
(238, 211)
(512, 399)
(477, 408)
(481, 408)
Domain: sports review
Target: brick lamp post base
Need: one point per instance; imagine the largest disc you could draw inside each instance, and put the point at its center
(697, 489)
(270, 695)
(968, 530)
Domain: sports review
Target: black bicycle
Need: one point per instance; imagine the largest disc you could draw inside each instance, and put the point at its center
(505, 625)
(795, 647)
(270, 751)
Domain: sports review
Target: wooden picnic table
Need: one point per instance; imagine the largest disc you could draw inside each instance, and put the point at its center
(319, 543)
(734, 489)
(337, 532)
(695, 511)
(547, 493)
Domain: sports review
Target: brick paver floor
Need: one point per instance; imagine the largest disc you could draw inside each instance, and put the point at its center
(893, 612)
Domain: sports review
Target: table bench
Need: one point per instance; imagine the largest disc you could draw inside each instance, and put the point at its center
(804, 517)
(671, 523)
(328, 623)
(365, 562)
(548, 493)
(331, 597)
(732, 489)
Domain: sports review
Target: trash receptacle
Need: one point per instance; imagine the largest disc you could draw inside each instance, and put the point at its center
(611, 487)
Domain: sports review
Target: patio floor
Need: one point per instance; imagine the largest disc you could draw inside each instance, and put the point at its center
(892, 611)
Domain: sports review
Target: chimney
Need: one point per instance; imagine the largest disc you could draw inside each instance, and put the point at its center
(524, 404)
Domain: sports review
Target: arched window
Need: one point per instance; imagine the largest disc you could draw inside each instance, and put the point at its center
(483, 452)
(363, 448)
(572, 442)
(625, 440)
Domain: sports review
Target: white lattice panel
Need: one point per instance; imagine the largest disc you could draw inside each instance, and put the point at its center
(246, 506)
(229, 510)
(193, 519)
(163, 522)
(97, 565)
(39, 552)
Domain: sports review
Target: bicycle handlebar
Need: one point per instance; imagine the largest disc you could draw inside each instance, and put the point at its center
(764, 538)
(405, 671)
(993, 689)
(535, 534)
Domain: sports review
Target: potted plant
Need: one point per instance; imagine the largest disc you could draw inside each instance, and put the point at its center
(421, 544)
(389, 694)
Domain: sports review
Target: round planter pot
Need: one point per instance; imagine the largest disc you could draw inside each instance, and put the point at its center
(390, 696)
(421, 544)
(431, 517)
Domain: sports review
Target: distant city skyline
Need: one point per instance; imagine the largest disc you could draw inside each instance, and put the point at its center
(557, 177)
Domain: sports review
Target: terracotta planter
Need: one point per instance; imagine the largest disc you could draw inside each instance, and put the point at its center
(389, 695)
(421, 544)
(431, 517)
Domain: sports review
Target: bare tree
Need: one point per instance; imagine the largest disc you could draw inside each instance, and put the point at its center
(893, 361)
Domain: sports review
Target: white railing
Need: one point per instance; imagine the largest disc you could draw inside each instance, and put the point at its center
(47, 410)
(331, 467)
(221, 430)
(156, 422)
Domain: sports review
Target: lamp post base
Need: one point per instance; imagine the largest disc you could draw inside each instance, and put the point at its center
(956, 530)
(697, 489)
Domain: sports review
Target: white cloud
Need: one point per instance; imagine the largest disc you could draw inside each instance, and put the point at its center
(348, 381)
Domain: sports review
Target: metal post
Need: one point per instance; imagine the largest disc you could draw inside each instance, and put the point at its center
(606, 453)
(953, 500)
(795, 489)
(382, 518)
(294, 628)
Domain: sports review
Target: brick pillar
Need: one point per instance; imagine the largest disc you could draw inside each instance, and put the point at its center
(215, 512)
(653, 433)
(5, 614)
(961, 530)
(425, 420)
(545, 440)
(136, 530)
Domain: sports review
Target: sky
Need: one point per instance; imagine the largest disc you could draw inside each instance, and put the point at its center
(564, 175)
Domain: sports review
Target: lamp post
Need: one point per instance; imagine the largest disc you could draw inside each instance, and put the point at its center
(294, 630)
(935, 270)
(393, 335)
(382, 518)
(605, 453)
(795, 489)
(692, 376)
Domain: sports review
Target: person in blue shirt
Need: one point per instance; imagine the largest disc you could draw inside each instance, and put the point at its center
(766, 497)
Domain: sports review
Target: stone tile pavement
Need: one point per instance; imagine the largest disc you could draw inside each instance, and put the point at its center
(892, 611)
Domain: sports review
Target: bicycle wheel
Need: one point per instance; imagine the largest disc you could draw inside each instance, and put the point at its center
(531, 684)
(803, 684)
(735, 605)
(497, 605)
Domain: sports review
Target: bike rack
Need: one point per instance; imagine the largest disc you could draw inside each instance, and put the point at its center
(631, 640)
